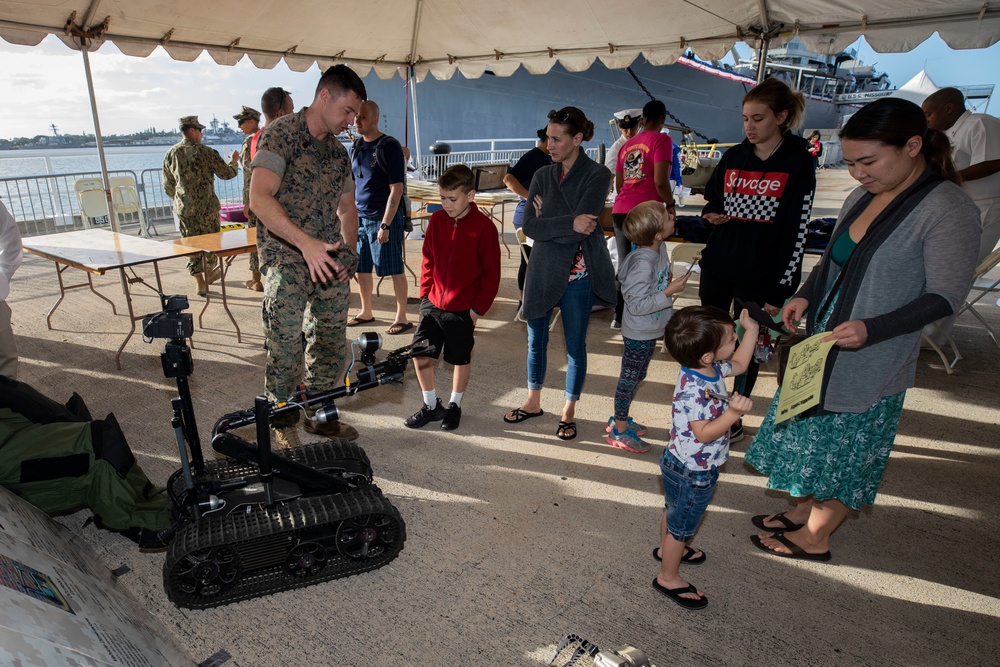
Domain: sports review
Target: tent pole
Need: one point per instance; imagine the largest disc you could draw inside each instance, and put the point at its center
(97, 134)
(765, 40)
(411, 72)
(416, 123)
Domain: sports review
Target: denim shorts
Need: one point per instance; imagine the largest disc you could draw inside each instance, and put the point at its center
(686, 495)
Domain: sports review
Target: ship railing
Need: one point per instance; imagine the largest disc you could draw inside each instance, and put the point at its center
(48, 204)
(432, 165)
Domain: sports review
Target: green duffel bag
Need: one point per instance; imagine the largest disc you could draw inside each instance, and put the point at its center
(58, 458)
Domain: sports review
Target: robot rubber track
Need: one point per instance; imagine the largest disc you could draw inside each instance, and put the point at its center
(223, 559)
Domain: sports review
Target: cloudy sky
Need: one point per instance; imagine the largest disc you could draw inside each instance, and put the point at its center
(45, 84)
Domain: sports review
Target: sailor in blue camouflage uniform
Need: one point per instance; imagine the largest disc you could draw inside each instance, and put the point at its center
(248, 121)
(189, 168)
(302, 191)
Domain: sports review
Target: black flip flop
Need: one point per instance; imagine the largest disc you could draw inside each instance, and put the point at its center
(563, 428)
(399, 327)
(787, 525)
(797, 551)
(675, 595)
(520, 415)
(358, 321)
(686, 558)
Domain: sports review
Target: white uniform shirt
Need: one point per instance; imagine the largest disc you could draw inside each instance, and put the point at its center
(611, 158)
(11, 253)
(975, 138)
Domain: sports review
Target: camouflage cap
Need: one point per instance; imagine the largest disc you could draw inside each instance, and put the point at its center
(246, 113)
(190, 121)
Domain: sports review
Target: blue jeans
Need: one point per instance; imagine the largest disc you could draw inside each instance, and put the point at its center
(519, 212)
(575, 305)
(686, 494)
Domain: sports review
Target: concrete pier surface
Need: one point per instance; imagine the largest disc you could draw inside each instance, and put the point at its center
(516, 538)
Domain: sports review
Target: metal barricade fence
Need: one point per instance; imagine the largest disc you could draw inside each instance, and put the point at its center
(48, 204)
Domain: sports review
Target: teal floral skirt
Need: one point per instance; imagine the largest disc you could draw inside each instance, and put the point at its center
(838, 455)
(835, 455)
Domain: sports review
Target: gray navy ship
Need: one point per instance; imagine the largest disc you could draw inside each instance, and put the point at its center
(705, 96)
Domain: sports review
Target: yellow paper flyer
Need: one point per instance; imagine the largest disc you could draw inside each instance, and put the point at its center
(803, 379)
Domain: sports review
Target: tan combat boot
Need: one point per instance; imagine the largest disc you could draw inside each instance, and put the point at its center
(285, 438)
(214, 274)
(331, 429)
(254, 282)
(200, 279)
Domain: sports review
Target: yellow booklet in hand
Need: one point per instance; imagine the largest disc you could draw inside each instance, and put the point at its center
(803, 381)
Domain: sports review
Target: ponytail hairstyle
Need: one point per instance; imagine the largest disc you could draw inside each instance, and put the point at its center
(779, 97)
(893, 122)
(574, 121)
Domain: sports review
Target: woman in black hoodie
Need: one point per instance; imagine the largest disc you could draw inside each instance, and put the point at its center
(759, 200)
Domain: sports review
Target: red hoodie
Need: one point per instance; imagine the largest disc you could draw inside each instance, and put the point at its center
(461, 267)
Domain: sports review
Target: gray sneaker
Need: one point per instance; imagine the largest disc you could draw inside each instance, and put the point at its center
(426, 415)
(628, 441)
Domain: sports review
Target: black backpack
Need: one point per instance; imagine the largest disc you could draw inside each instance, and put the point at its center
(382, 163)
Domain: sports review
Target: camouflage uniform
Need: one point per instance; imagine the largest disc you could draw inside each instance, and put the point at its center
(303, 320)
(251, 218)
(188, 178)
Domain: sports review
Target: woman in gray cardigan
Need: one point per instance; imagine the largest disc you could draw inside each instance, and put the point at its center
(570, 266)
(901, 256)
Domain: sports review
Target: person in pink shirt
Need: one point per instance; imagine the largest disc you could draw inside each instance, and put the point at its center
(642, 174)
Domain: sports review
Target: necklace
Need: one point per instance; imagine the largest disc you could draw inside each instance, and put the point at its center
(773, 150)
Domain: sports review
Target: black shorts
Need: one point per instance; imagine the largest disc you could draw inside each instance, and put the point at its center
(451, 330)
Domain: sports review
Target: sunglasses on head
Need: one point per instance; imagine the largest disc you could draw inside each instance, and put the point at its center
(558, 116)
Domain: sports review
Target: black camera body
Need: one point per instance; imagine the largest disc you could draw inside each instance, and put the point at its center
(170, 322)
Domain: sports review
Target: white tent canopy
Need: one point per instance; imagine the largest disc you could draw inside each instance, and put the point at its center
(441, 37)
(916, 89)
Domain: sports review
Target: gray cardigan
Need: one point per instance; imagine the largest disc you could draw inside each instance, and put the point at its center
(584, 189)
(644, 274)
(932, 251)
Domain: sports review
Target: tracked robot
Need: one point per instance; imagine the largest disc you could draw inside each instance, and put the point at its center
(259, 522)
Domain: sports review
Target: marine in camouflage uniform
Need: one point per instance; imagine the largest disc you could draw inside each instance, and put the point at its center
(248, 120)
(304, 321)
(189, 168)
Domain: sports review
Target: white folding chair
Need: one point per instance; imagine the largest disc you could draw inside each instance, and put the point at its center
(125, 199)
(683, 257)
(982, 287)
(522, 244)
(93, 202)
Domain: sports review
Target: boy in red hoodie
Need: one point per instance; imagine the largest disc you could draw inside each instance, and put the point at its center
(459, 279)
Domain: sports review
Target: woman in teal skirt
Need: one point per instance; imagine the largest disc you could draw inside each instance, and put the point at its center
(901, 256)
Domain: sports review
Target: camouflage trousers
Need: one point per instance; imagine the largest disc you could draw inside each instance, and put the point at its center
(305, 328)
(254, 257)
(195, 225)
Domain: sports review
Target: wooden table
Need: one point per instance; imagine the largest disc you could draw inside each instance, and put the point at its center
(484, 200)
(98, 251)
(226, 246)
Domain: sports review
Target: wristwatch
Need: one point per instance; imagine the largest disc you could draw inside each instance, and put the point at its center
(384, 226)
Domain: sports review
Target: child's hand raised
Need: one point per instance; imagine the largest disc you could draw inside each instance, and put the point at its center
(749, 323)
(740, 404)
(677, 285)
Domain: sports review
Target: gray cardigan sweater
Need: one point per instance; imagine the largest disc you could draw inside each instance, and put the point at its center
(932, 251)
(583, 190)
(644, 274)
